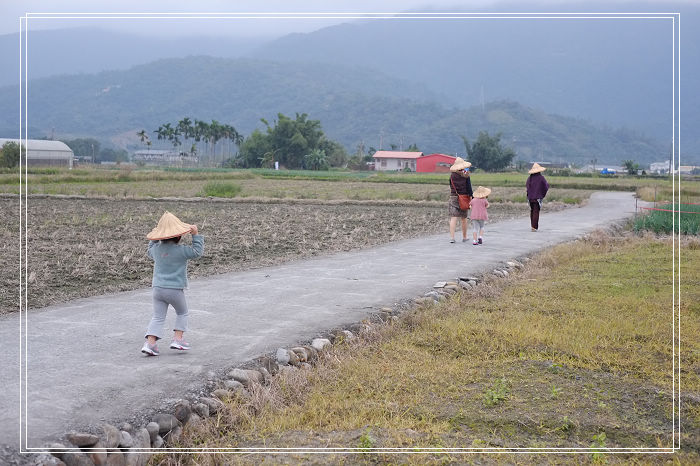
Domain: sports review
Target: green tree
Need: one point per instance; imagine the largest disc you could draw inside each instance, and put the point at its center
(487, 153)
(630, 166)
(287, 141)
(413, 148)
(10, 154)
(336, 155)
(254, 148)
(84, 147)
(144, 138)
(316, 160)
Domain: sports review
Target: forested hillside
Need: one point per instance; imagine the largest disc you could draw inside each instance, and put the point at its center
(355, 106)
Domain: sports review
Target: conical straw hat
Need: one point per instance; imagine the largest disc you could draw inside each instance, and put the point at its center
(460, 164)
(536, 168)
(482, 192)
(169, 226)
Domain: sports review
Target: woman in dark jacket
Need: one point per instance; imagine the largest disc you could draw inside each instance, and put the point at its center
(537, 188)
(459, 184)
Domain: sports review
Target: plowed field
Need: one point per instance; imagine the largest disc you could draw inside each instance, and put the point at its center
(85, 247)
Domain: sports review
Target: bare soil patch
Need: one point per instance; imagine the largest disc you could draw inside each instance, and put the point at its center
(85, 247)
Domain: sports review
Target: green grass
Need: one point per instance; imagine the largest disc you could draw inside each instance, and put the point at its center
(686, 221)
(221, 189)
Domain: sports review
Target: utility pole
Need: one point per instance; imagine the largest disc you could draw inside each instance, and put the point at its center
(381, 138)
(483, 99)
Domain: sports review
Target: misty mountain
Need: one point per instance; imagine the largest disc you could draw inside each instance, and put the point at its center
(609, 72)
(91, 50)
(613, 71)
(355, 106)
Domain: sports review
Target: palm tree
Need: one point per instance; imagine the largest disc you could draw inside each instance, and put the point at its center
(233, 136)
(161, 132)
(142, 134)
(215, 134)
(202, 132)
(185, 128)
(144, 137)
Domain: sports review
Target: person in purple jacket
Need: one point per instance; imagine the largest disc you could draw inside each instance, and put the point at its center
(537, 188)
(170, 279)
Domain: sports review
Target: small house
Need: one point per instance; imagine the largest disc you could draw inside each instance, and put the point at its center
(386, 160)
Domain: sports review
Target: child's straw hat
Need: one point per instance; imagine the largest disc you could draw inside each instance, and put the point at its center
(482, 192)
(169, 226)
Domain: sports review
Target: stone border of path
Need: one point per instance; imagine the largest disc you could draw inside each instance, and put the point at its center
(127, 445)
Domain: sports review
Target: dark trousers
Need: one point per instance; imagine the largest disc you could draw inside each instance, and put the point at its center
(534, 213)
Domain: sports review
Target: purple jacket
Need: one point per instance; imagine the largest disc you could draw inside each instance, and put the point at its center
(537, 186)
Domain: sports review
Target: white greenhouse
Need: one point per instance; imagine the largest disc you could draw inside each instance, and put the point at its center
(45, 153)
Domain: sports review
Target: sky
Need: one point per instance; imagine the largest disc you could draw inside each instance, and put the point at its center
(12, 10)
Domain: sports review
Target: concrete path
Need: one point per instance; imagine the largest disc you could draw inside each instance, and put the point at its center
(83, 363)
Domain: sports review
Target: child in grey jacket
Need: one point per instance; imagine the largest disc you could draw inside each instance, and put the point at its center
(170, 279)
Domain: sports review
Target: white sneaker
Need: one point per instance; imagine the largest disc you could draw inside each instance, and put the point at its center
(179, 344)
(150, 350)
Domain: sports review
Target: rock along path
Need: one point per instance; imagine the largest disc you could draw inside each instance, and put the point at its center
(83, 359)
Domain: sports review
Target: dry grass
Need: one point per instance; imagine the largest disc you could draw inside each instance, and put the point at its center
(689, 192)
(576, 345)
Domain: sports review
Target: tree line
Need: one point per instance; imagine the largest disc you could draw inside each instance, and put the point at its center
(191, 132)
(293, 143)
(299, 143)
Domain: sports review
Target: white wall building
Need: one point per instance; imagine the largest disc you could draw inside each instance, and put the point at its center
(40, 152)
(164, 157)
(660, 168)
(385, 160)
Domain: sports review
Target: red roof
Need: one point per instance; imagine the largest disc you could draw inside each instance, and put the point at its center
(390, 154)
(441, 155)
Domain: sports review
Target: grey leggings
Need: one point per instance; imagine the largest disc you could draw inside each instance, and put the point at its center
(162, 297)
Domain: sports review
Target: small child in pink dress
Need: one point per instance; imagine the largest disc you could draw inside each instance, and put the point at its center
(479, 214)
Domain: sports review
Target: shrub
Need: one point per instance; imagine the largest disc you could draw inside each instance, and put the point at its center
(221, 189)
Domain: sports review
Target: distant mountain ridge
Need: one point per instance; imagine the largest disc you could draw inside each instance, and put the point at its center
(71, 51)
(615, 73)
(355, 106)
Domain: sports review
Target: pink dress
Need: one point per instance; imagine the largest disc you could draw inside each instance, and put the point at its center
(479, 205)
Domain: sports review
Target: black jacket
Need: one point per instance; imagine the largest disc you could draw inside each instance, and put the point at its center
(463, 185)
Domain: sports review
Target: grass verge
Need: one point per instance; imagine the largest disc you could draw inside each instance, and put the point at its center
(574, 351)
(221, 189)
